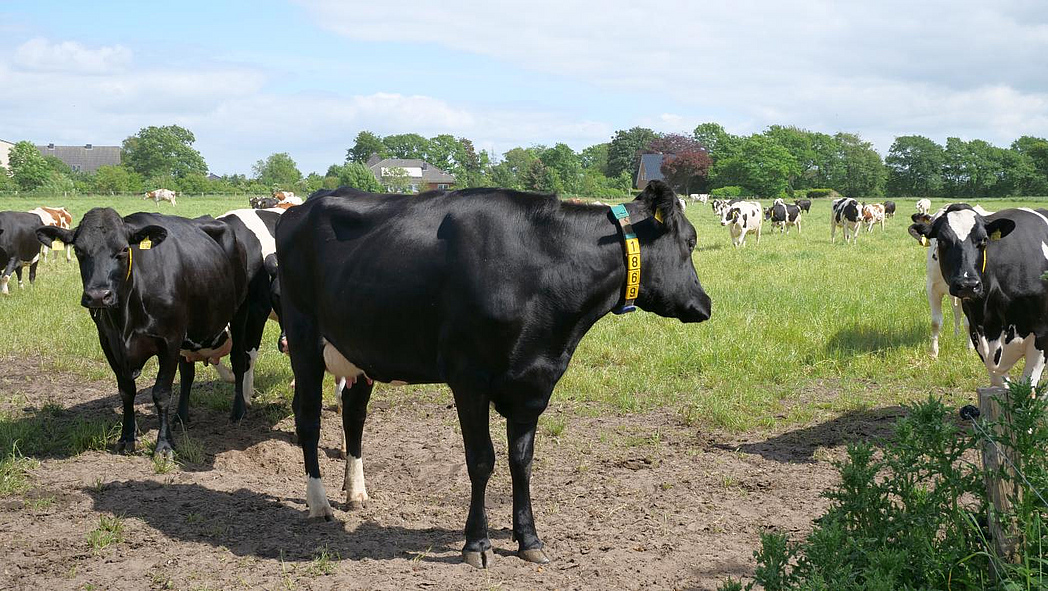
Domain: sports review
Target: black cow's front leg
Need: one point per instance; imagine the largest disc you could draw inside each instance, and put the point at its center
(521, 438)
(186, 373)
(126, 385)
(168, 360)
(354, 412)
(480, 462)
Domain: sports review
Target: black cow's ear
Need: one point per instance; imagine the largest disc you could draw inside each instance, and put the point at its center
(155, 234)
(48, 234)
(922, 232)
(661, 203)
(999, 228)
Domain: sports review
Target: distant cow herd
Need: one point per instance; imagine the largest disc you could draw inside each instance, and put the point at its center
(486, 290)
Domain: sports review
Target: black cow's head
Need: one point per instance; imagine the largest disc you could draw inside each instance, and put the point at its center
(669, 285)
(102, 244)
(961, 235)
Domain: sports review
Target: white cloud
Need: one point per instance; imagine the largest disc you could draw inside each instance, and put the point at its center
(40, 55)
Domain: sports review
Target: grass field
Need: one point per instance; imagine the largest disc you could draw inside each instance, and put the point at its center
(801, 328)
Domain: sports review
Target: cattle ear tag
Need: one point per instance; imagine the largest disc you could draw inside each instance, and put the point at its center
(996, 235)
(658, 215)
(57, 245)
(145, 244)
(924, 241)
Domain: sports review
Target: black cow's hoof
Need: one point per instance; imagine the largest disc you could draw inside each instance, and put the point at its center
(164, 450)
(237, 415)
(535, 555)
(478, 559)
(125, 447)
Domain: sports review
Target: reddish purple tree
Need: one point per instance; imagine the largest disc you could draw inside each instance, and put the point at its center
(686, 169)
(674, 143)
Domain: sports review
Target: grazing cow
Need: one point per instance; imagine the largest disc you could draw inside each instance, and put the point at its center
(935, 286)
(18, 246)
(54, 216)
(262, 202)
(994, 265)
(161, 195)
(287, 197)
(889, 209)
(784, 215)
(872, 213)
(165, 286)
(742, 218)
(487, 290)
(923, 205)
(804, 204)
(700, 197)
(846, 214)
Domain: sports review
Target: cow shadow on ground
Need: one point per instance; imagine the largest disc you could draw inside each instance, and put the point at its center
(250, 523)
(858, 339)
(798, 445)
(44, 426)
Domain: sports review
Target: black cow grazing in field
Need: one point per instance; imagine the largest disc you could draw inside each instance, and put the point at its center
(889, 209)
(783, 215)
(160, 285)
(847, 214)
(18, 246)
(487, 290)
(804, 204)
(994, 264)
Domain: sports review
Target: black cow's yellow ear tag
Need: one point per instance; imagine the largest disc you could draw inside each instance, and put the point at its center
(146, 244)
(57, 245)
(658, 215)
(996, 235)
(924, 241)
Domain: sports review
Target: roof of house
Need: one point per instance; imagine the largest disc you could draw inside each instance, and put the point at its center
(651, 165)
(86, 158)
(430, 173)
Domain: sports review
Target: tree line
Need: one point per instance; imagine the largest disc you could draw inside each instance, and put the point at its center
(779, 161)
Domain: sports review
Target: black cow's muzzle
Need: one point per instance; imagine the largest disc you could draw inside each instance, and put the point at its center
(966, 288)
(98, 298)
(699, 311)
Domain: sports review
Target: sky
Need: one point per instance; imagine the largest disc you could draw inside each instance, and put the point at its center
(250, 79)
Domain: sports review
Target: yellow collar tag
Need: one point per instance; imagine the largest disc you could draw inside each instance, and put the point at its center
(145, 244)
(57, 245)
(130, 257)
(632, 248)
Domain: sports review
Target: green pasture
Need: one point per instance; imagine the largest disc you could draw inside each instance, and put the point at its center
(800, 328)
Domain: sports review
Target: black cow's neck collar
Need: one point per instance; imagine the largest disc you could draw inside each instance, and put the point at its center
(631, 248)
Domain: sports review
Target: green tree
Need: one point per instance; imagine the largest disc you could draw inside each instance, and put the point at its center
(971, 168)
(539, 177)
(397, 179)
(116, 179)
(761, 164)
(1036, 149)
(827, 166)
(518, 160)
(6, 183)
(471, 168)
(798, 142)
(915, 167)
(159, 152)
(625, 149)
(442, 151)
(193, 184)
(29, 169)
(356, 175)
(277, 171)
(718, 143)
(502, 175)
(595, 158)
(312, 183)
(406, 145)
(864, 172)
(364, 146)
(563, 161)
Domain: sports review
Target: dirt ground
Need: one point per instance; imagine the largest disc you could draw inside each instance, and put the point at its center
(622, 502)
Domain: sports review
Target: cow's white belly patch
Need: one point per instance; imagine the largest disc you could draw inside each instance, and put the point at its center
(337, 364)
(1000, 354)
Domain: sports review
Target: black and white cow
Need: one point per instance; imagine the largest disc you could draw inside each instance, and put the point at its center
(784, 215)
(742, 218)
(487, 290)
(18, 246)
(994, 265)
(889, 209)
(846, 214)
(804, 204)
(164, 286)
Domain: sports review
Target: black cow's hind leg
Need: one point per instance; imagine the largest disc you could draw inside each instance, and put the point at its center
(238, 358)
(186, 373)
(354, 412)
(308, 366)
(521, 436)
(480, 462)
(32, 271)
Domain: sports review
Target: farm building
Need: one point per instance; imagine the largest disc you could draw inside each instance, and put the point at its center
(86, 158)
(421, 175)
(5, 148)
(649, 169)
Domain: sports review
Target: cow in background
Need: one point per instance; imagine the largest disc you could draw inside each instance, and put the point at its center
(161, 195)
(846, 214)
(804, 204)
(16, 249)
(889, 209)
(55, 216)
(742, 218)
(923, 205)
(784, 215)
(872, 214)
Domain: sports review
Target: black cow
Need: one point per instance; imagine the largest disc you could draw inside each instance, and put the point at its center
(18, 246)
(846, 213)
(994, 264)
(889, 209)
(262, 202)
(487, 290)
(784, 215)
(160, 285)
(804, 204)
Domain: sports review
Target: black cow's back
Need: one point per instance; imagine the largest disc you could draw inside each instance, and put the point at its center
(18, 236)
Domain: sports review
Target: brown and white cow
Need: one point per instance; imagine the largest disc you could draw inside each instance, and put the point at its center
(872, 214)
(161, 195)
(287, 197)
(58, 217)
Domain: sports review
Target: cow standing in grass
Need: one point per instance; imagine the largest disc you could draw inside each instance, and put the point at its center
(18, 247)
(489, 291)
(784, 215)
(742, 218)
(161, 195)
(847, 215)
(994, 264)
(54, 216)
(163, 286)
(873, 214)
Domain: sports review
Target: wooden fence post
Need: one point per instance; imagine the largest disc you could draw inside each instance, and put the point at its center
(1000, 491)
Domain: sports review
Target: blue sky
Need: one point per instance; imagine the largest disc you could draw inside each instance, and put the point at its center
(254, 78)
